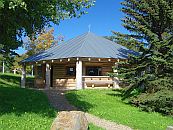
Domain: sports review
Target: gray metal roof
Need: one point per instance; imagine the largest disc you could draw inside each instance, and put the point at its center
(87, 45)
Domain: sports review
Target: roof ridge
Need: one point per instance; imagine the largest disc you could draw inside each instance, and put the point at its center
(112, 42)
(63, 44)
(83, 43)
(67, 42)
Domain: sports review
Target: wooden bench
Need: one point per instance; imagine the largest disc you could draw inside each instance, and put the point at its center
(94, 82)
(98, 80)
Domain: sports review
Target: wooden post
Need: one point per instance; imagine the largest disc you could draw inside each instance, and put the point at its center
(32, 67)
(23, 78)
(79, 75)
(85, 85)
(116, 83)
(14, 71)
(47, 76)
(109, 85)
(35, 75)
(115, 79)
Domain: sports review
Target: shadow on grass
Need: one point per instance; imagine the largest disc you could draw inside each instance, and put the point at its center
(20, 101)
(10, 80)
(76, 100)
(116, 93)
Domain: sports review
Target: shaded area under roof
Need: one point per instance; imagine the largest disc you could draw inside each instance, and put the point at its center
(87, 45)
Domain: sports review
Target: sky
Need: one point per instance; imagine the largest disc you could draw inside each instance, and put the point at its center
(104, 17)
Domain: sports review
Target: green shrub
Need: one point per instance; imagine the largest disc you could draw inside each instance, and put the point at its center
(160, 101)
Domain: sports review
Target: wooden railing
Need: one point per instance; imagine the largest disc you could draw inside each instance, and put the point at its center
(92, 81)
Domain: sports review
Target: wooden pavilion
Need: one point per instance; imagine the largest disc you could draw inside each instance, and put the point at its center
(82, 62)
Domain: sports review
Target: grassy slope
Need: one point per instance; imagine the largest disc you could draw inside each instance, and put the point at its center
(108, 104)
(23, 109)
(12, 81)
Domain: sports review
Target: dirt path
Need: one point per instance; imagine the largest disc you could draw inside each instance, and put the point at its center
(58, 101)
(108, 125)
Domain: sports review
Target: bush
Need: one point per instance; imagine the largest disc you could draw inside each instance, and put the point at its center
(160, 101)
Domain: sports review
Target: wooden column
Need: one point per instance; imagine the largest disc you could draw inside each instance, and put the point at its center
(23, 77)
(115, 79)
(116, 83)
(35, 75)
(47, 76)
(79, 75)
(32, 67)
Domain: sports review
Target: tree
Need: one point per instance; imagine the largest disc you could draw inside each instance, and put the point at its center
(19, 18)
(5, 63)
(16, 67)
(41, 42)
(150, 23)
(120, 39)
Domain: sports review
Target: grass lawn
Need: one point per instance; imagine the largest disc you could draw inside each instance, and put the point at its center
(23, 109)
(93, 127)
(107, 104)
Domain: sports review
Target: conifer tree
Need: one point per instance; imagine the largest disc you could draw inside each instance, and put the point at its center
(150, 23)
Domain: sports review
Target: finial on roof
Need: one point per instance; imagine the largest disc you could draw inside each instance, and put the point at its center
(89, 28)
